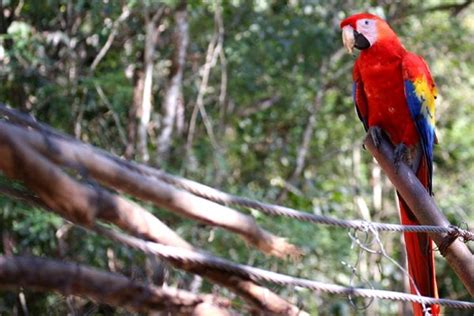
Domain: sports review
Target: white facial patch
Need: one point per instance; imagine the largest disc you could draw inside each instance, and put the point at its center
(368, 28)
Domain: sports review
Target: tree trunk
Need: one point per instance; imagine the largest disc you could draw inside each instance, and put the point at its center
(151, 39)
(134, 112)
(173, 96)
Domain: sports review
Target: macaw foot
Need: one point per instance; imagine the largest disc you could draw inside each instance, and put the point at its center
(400, 155)
(376, 134)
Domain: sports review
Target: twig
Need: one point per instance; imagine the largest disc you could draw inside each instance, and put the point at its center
(277, 210)
(115, 26)
(261, 105)
(213, 49)
(103, 97)
(455, 9)
(223, 198)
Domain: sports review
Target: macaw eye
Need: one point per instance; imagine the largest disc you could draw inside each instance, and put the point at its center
(366, 22)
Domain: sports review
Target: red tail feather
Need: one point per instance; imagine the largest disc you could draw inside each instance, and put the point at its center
(419, 248)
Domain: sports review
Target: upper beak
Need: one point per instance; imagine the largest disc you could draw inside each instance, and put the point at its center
(348, 38)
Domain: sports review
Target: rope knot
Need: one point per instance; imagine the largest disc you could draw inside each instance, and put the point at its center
(365, 226)
(465, 234)
(453, 234)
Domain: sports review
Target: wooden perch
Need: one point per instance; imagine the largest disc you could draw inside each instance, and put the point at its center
(118, 176)
(83, 204)
(423, 206)
(104, 287)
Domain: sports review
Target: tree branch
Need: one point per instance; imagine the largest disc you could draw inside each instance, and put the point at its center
(263, 299)
(260, 106)
(115, 26)
(423, 206)
(456, 8)
(402, 13)
(74, 201)
(105, 287)
(147, 188)
(213, 50)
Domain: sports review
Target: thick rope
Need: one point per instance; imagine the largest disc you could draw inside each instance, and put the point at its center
(277, 210)
(255, 274)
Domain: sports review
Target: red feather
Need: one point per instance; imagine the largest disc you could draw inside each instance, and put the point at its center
(420, 253)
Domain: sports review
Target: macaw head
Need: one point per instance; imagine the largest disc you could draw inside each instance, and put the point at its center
(364, 30)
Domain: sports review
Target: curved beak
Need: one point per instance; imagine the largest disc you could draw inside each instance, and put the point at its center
(351, 38)
(348, 38)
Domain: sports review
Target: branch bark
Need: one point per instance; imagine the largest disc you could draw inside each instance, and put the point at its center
(105, 287)
(423, 206)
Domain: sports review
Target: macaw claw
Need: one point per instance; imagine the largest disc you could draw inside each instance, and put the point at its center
(376, 134)
(400, 155)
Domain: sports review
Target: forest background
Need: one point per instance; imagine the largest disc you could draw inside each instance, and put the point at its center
(252, 97)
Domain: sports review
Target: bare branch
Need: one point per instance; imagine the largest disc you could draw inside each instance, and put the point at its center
(76, 202)
(213, 51)
(105, 287)
(150, 189)
(115, 26)
(153, 29)
(423, 206)
(189, 257)
(311, 123)
(262, 105)
(263, 299)
(103, 97)
(402, 13)
(455, 8)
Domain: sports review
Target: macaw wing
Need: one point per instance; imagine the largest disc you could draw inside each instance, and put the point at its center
(420, 93)
(360, 100)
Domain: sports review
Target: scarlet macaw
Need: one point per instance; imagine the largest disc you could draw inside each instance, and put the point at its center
(395, 94)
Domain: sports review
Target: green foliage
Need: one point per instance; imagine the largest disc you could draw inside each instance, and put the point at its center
(272, 49)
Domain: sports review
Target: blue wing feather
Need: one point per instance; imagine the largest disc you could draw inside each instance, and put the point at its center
(423, 122)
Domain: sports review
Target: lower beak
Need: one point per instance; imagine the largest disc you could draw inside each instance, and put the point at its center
(348, 38)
